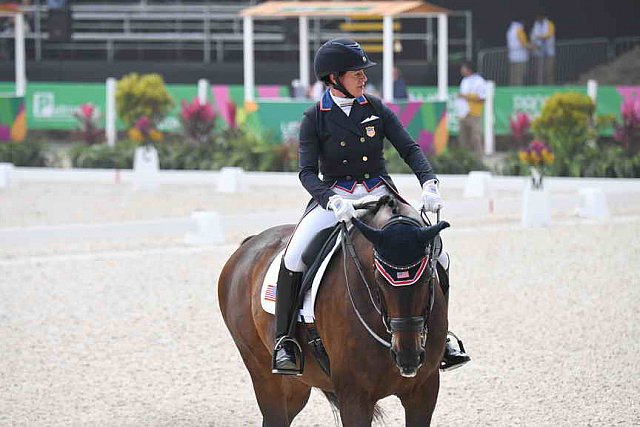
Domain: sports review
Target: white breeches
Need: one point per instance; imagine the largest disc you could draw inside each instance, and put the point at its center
(319, 219)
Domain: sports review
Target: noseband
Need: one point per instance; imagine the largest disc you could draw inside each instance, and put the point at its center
(394, 275)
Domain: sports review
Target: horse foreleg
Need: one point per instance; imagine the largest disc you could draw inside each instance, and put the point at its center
(356, 408)
(420, 403)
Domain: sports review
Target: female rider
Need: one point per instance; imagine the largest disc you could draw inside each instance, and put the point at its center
(344, 134)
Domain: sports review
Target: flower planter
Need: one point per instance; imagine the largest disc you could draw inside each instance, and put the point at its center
(146, 167)
(536, 210)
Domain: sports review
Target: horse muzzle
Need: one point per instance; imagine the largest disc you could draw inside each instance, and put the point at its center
(407, 344)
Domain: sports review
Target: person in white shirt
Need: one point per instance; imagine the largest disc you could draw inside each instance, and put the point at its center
(469, 106)
(543, 37)
(518, 46)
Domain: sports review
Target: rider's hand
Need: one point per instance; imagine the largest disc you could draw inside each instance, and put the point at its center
(342, 208)
(431, 199)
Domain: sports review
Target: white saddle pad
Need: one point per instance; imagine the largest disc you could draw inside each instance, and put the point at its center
(270, 288)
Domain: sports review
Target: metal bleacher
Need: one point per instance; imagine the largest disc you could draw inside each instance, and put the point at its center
(113, 31)
(212, 32)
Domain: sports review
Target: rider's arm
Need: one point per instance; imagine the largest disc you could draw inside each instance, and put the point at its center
(309, 156)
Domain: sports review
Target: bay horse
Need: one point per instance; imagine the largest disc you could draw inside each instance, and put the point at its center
(362, 370)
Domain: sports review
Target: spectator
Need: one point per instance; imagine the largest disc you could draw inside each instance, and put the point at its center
(518, 47)
(543, 37)
(399, 87)
(470, 102)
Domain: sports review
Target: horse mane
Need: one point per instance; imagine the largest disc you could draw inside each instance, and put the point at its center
(388, 200)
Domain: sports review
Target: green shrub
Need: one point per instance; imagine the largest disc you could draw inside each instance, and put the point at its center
(119, 156)
(23, 153)
(451, 161)
(142, 96)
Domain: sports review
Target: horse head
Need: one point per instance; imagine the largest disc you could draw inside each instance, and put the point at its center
(404, 277)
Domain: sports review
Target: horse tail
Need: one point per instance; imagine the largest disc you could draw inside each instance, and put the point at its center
(246, 239)
(378, 413)
(333, 402)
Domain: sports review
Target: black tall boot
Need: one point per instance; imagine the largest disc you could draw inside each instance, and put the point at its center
(284, 354)
(453, 358)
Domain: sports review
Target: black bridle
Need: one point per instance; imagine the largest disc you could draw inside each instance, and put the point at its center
(415, 324)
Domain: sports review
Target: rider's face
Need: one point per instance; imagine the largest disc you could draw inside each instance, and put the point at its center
(354, 82)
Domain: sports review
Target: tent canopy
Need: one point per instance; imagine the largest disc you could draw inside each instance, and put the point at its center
(284, 9)
(387, 10)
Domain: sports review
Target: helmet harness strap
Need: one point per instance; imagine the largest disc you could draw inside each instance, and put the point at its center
(338, 85)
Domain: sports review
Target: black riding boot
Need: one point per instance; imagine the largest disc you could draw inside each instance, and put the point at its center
(453, 358)
(284, 353)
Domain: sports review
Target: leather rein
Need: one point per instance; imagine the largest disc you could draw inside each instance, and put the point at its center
(393, 324)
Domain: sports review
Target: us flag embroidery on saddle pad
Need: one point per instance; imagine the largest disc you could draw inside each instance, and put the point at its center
(400, 275)
(270, 293)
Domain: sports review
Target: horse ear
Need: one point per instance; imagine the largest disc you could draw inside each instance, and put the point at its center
(427, 234)
(373, 235)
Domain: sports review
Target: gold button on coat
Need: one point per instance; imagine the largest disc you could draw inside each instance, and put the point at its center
(362, 139)
(344, 162)
(342, 143)
(365, 158)
(367, 176)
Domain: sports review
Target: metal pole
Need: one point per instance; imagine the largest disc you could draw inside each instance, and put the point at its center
(110, 116)
(592, 90)
(203, 87)
(429, 39)
(489, 137)
(303, 23)
(249, 75)
(443, 57)
(21, 75)
(387, 58)
(469, 42)
(38, 31)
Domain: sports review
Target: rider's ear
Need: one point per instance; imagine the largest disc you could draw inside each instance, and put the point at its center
(373, 235)
(427, 234)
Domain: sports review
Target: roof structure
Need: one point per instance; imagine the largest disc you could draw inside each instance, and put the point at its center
(291, 9)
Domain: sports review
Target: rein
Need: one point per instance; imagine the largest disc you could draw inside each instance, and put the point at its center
(401, 324)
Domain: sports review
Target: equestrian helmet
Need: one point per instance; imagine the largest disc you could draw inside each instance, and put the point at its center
(340, 55)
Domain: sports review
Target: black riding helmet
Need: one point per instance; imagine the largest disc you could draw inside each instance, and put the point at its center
(339, 55)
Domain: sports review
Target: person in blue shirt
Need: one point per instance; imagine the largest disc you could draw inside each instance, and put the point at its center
(341, 136)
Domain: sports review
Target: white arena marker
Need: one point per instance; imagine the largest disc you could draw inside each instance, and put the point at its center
(6, 172)
(231, 180)
(592, 204)
(478, 184)
(206, 229)
(146, 168)
(536, 211)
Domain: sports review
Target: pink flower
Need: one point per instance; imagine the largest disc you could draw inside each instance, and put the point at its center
(86, 111)
(519, 125)
(143, 124)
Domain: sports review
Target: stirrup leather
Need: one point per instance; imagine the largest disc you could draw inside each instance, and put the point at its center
(281, 342)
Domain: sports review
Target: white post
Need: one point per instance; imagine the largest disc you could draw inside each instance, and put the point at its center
(21, 75)
(110, 115)
(387, 58)
(249, 70)
(203, 87)
(303, 24)
(443, 56)
(592, 90)
(489, 119)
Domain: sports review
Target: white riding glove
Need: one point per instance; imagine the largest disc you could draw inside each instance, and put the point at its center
(342, 208)
(431, 199)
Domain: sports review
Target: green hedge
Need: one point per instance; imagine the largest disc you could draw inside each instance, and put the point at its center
(23, 153)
